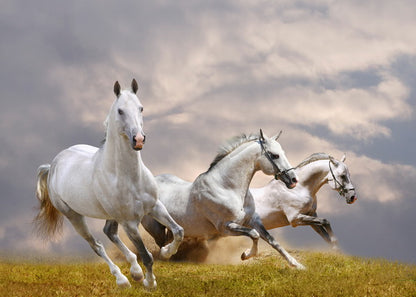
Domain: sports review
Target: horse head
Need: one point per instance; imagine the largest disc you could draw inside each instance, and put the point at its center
(127, 112)
(339, 179)
(273, 160)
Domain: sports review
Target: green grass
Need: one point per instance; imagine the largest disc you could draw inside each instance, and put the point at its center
(267, 275)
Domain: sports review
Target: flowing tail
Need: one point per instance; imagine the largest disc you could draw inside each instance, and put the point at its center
(49, 221)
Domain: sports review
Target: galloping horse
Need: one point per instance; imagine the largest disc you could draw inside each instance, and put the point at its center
(218, 203)
(278, 207)
(110, 183)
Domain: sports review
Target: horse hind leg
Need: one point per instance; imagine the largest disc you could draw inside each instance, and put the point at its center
(132, 231)
(78, 221)
(111, 230)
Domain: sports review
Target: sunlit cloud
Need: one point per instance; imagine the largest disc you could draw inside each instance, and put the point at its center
(321, 70)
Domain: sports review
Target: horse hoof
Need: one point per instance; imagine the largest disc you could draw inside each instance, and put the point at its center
(123, 282)
(137, 276)
(150, 285)
(164, 254)
(336, 249)
(246, 255)
(300, 266)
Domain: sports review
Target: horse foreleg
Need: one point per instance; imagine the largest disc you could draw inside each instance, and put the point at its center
(111, 230)
(265, 235)
(78, 221)
(324, 234)
(320, 225)
(132, 231)
(237, 230)
(155, 229)
(160, 214)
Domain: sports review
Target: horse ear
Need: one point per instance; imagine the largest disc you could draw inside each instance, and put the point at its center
(333, 161)
(134, 86)
(117, 89)
(278, 135)
(261, 135)
(344, 157)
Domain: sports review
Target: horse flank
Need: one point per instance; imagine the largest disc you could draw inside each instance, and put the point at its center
(230, 146)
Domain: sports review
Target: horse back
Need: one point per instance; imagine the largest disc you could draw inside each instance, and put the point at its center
(173, 192)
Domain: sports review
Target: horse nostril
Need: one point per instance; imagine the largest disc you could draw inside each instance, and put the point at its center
(352, 199)
(144, 138)
(294, 180)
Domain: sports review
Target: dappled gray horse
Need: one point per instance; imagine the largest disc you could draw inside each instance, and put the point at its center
(218, 203)
(278, 207)
(110, 183)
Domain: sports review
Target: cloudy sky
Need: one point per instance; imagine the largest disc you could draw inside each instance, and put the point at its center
(335, 76)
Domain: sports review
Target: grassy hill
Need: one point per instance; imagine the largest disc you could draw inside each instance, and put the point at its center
(267, 275)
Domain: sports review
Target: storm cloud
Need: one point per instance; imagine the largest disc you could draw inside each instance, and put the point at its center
(334, 76)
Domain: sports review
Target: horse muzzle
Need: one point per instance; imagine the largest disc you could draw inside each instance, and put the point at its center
(352, 199)
(138, 141)
(290, 180)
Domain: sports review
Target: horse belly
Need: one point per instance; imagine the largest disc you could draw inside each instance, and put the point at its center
(273, 220)
(199, 228)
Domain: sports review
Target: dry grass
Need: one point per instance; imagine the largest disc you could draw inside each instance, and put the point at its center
(268, 275)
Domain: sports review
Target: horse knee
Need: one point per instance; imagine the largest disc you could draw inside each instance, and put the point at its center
(97, 247)
(180, 233)
(254, 234)
(325, 222)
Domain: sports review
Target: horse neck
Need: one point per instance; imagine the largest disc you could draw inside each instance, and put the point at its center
(118, 156)
(313, 175)
(238, 168)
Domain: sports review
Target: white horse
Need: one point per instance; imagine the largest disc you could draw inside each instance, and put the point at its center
(278, 207)
(110, 183)
(218, 203)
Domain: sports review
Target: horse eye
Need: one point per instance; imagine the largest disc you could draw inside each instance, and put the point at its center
(120, 112)
(275, 156)
(141, 109)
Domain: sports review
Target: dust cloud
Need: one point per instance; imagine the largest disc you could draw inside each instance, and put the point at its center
(226, 250)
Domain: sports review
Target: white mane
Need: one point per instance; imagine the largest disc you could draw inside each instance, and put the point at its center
(231, 145)
(314, 157)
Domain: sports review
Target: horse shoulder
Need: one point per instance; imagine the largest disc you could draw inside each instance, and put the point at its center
(279, 205)
(216, 205)
(147, 182)
(249, 204)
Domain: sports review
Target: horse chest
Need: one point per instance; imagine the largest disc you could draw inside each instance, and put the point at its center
(306, 204)
(219, 205)
(123, 198)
